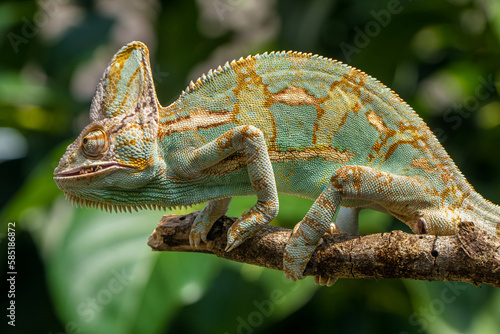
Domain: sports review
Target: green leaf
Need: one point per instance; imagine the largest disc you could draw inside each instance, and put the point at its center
(105, 278)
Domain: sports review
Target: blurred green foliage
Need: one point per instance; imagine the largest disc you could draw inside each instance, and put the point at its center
(85, 271)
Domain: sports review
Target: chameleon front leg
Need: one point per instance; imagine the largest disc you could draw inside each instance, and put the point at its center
(363, 184)
(251, 141)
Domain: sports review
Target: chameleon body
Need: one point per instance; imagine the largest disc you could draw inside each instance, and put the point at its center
(284, 122)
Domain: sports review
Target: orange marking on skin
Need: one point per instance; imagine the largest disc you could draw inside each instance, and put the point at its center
(384, 180)
(344, 118)
(238, 160)
(168, 112)
(455, 196)
(498, 230)
(423, 163)
(114, 77)
(355, 81)
(352, 174)
(325, 202)
(250, 87)
(414, 138)
(246, 74)
(344, 98)
(198, 119)
(315, 129)
(294, 96)
(394, 147)
(407, 134)
(129, 83)
(327, 153)
(140, 164)
(298, 232)
(445, 176)
(414, 135)
(225, 141)
(378, 122)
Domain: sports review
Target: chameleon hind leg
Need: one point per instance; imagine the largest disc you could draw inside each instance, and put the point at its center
(307, 233)
(250, 140)
(362, 184)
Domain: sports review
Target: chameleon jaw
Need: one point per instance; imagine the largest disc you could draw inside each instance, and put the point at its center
(90, 170)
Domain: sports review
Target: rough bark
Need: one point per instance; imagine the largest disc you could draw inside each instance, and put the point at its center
(471, 256)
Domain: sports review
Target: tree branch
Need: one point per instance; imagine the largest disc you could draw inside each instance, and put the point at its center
(471, 256)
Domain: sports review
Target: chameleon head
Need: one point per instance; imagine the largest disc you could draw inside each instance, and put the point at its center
(117, 152)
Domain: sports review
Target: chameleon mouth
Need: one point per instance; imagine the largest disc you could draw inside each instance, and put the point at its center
(93, 169)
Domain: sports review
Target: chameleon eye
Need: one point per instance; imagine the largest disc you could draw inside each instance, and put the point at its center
(95, 143)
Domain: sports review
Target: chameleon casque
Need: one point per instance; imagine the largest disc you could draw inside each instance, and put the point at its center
(283, 122)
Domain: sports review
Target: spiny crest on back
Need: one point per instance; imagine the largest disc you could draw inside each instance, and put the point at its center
(318, 62)
(212, 74)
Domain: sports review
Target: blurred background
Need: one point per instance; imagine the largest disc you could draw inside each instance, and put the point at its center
(86, 271)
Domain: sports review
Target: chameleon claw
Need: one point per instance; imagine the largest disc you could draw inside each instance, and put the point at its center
(292, 277)
(232, 244)
(229, 247)
(325, 280)
(331, 281)
(194, 240)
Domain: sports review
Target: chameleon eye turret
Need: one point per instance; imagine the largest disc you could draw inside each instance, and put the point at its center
(94, 144)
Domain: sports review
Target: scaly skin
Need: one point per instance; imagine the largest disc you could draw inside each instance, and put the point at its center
(279, 122)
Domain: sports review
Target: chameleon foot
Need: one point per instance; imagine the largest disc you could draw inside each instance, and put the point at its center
(251, 222)
(198, 233)
(328, 280)
(206, 219)
(240, 231)
(295, 259)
